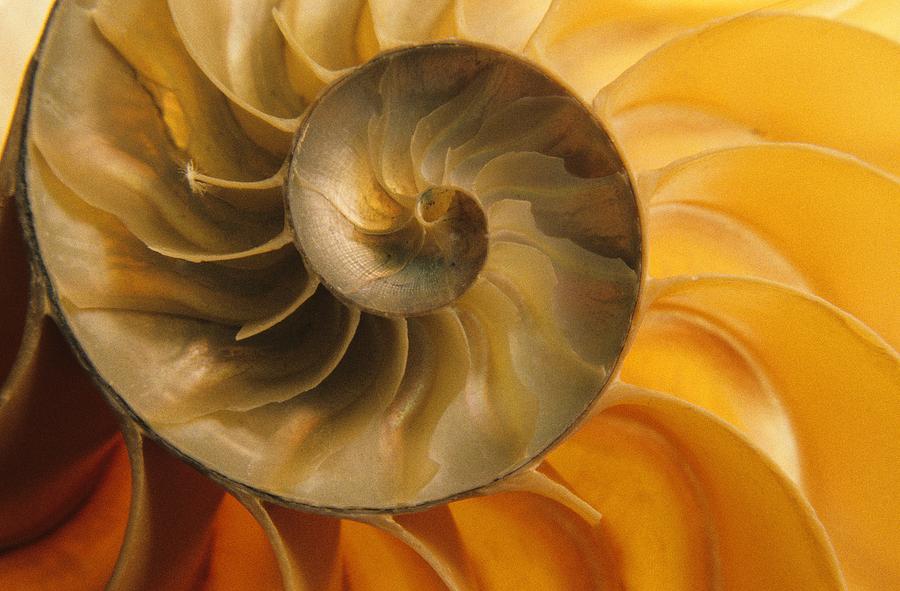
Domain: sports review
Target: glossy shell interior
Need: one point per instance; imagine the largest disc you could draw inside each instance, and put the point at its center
(410, 355)
(748, 438)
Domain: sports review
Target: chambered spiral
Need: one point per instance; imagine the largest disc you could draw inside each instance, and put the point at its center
(417, 297)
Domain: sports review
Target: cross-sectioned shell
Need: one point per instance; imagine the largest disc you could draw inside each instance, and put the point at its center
(418, 300)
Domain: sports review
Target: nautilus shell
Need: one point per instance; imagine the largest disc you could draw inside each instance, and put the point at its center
(444, 289)
(467, 276)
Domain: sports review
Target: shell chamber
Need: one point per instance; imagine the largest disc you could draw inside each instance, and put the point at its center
(470, 262)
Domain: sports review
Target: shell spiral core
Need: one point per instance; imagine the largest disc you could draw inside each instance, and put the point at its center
(470, 263)
(456, 129)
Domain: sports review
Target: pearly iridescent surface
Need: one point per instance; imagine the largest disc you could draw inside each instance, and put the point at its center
(462, 195)
(394, 208)
(772, 129)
